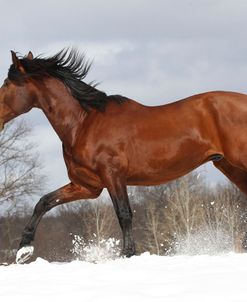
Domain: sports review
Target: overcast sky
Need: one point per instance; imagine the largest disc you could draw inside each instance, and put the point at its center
(152, 51)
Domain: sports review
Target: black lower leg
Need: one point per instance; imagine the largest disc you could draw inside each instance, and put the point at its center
(44, 205)
(125, 219)
(124, 215)
(67, 193)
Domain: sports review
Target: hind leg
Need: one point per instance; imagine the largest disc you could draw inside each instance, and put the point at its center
(238, 177)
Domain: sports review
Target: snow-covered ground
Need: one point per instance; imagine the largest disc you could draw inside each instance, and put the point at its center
(140, 278)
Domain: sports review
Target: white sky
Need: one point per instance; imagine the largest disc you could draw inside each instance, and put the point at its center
(152, 51)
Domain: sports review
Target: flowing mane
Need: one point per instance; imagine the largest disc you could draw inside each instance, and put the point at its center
(70, 67)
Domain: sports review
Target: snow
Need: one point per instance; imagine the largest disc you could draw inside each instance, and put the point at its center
(140, 278)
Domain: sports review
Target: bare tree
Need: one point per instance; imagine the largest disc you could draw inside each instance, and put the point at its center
(20, 177)
(224, 214)
(148, 205)
(184, 206)
(96, 217)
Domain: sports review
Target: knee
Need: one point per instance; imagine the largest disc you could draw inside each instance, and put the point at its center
(44, 204)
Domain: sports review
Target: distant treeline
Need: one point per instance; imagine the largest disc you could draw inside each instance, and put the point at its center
(185, 216)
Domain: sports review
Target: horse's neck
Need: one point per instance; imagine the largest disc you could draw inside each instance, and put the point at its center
(63, 112)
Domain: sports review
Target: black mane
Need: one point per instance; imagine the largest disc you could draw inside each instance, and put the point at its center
(70, 67)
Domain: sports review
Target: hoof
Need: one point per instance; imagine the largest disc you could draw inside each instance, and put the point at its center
(24, 254)
(128, 253)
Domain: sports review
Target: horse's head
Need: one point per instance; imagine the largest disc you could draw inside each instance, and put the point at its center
(17, 94)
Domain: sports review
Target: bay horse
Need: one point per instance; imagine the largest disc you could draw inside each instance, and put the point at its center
(112, 141)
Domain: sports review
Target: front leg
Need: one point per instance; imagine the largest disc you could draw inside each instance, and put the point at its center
(116, 186)
(124, 214)
(70, 192)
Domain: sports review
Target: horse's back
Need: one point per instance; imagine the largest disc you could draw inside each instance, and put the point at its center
(160, 143)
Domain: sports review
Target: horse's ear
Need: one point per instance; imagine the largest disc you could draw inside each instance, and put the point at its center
(30, 55)
(17, 62)
(15, 59)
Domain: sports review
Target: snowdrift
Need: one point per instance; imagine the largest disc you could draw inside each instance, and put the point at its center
(140, 278)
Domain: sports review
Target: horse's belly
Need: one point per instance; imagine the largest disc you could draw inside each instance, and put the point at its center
(152, 179)
(157, 171)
